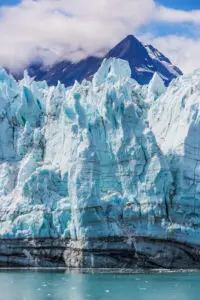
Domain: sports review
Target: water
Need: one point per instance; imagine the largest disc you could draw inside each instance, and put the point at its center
(32, 285)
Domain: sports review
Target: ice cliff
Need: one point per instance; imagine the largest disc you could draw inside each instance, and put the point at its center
(175, 120)
(101, 174)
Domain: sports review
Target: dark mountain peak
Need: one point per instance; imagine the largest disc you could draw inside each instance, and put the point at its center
(127, 48)
(131, 39)
(144, 61)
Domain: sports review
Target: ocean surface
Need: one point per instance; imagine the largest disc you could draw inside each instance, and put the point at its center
(37, 285)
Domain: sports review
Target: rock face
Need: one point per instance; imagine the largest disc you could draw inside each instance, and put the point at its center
(83, 181)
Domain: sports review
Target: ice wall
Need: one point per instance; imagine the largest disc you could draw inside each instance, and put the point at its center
(175, 120)
(107, 165)
(79, 162)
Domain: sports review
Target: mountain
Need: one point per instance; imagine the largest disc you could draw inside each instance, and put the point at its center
(100, 174)
(144, 61)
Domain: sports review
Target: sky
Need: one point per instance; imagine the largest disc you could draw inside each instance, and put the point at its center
(51, 30)
(180, 4)
(9, 2)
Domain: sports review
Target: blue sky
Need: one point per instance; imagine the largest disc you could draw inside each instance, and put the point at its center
(42, 28)
(185, 29)
(9, 2)
(181, 4)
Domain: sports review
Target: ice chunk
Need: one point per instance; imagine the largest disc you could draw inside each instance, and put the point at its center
(112, 70)
(156, 86)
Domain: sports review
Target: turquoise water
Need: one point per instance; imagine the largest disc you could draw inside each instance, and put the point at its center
(31, 285)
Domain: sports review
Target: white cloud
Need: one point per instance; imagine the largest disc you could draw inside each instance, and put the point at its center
(73, 29)
(70, 29)
(177, 16)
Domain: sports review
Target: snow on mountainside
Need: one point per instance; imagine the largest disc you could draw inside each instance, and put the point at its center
(102, 174)
(143, 60)
(163, 62)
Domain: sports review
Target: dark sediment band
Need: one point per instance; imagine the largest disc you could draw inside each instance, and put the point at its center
(115, 252)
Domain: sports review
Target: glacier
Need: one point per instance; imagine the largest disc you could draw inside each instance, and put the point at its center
(101, 174)
(175, 120)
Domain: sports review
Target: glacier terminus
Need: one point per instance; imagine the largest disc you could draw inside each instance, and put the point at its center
(102, 174)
